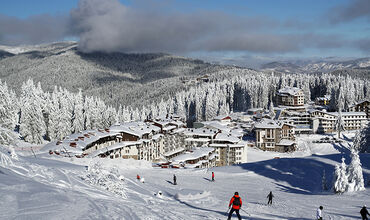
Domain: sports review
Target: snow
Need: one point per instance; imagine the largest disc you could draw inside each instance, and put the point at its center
(195, 154)
(266, 123)
(289, 90)
(50, 187)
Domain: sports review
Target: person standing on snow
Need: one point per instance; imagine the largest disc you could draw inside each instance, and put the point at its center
(319, 213)
(137, 177)
(174, 179)
(270, 198)
(213, 176)
(236, 201)
(364, 213)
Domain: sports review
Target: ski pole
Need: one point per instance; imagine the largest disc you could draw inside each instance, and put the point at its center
(245, 212)
(227, 212)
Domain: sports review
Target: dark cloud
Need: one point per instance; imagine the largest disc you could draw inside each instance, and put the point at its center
(351, 11)
(108, 25)
(32, 30)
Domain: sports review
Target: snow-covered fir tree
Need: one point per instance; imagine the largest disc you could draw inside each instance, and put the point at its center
(78, 113)
(32, 124)
(355, 176)
(8, 107)
(340, 178)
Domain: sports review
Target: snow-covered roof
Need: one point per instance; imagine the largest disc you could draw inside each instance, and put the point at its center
(285, 142)
(289, 91)
(206, 132)
(198, 140)
(135, 128)
(216, 125)
(114, 147)
(197, 153)
(266, 123)
(325, 98)
(168, 128)
(177, 150)
(359, 103)
(226, 137)
(222, 117)
(79, 141)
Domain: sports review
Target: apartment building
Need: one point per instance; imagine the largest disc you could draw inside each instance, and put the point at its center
(274, 135)
(290, 96)
(363, 106)
(327, 121)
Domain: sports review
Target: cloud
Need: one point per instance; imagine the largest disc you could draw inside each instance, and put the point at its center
(32, 30)
(353, 10)
(110, 26)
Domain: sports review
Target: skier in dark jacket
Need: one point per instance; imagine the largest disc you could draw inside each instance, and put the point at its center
(270, 198)
(364, 213)
(174, 179)
(236, 201)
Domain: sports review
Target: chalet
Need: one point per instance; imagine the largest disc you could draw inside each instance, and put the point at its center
(323, 100)
(290, 96)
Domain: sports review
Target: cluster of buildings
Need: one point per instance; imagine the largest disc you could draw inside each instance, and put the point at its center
(164, 140)
(275, 130)
(223, 141)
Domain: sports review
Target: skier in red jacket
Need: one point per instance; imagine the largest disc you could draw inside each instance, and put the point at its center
(236, 201)
(213, 176)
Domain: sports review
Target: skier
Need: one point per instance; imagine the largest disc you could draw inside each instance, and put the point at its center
(213, 176)
(270, 198)
(364, 213)
(319, 213)
(137, 177)
(174, 179)
(236, 201)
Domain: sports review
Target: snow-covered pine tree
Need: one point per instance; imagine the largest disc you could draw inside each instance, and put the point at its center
(77, 113)
(32, 124)
(6, 136)
(355, 176)
(339, 124)
(271, 110)
(340, 178)
(8, 107)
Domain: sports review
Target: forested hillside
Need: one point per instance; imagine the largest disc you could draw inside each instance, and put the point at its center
(114, 77)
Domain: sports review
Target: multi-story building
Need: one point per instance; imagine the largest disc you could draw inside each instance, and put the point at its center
(327, 121)
(363, 106)
(229, 149)
(290, 96)
(203, 157)
(275, 135)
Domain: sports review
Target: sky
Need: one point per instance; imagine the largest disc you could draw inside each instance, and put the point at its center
(234, 31)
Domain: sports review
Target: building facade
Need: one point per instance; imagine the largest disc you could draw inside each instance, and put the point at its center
(290, 96)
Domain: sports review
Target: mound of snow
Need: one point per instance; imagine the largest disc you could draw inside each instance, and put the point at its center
(196, 196)
(108, 179)
(5, 159)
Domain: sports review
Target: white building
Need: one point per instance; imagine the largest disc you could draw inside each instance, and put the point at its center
(202, 157)
(290, 96)
(327, 121)
(274, 135)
